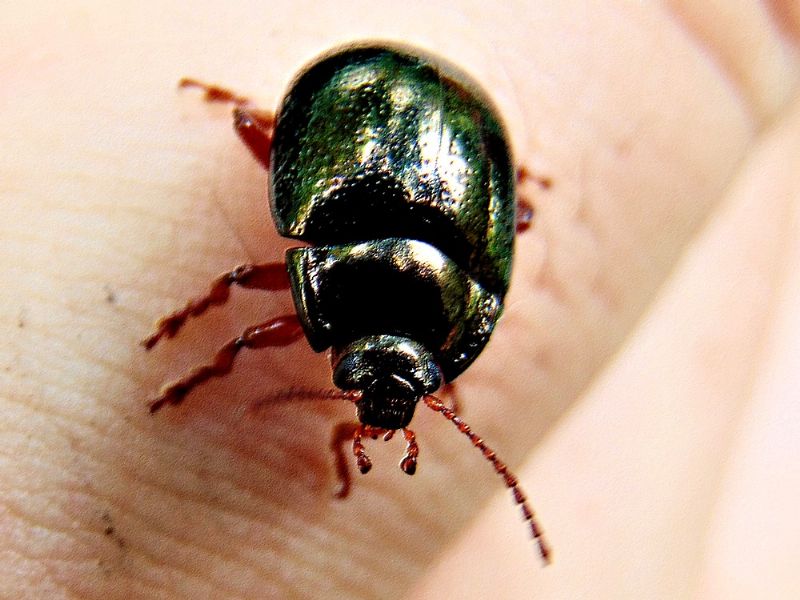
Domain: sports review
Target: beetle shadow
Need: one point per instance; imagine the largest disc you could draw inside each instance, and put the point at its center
(276, 450)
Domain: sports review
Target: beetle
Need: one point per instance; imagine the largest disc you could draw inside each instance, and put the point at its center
(394, 167)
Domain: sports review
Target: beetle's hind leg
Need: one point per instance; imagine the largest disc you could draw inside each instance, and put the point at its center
(254, 125)
(281, 331)
(267, 276)
(255, 128)
(525, 211)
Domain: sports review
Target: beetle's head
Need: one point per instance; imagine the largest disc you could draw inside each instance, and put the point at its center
(391, 372)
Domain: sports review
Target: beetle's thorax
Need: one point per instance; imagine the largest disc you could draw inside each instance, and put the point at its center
(392, 373)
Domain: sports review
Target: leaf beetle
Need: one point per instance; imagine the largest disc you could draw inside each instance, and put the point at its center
(395, 169)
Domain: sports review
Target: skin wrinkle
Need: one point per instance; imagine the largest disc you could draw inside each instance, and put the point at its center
(777, 286)
(354, 533)
(741, 77)
(786, 16)
(95, 494)
(380, 504)
(364, 546)
(186, 543)
(182, 499)
(752, 368)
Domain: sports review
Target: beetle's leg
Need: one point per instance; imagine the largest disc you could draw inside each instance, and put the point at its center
(343, 433)
(409, 461)
(363, 462)
(267, 276)
(254, 125)
(525, 210)
(524, 174)
(500, 468)
(255, 128)
(213, 93)
(281, 331)
(524, 215)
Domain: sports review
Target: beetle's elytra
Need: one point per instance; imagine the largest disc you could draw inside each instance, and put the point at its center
(395, 170)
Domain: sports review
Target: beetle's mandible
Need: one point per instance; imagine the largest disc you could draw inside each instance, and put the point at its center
(395, 169)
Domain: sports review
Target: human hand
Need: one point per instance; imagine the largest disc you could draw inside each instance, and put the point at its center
(122, 198)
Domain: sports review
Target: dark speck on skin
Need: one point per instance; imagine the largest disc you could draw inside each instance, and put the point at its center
(111, 531)
(111, 296)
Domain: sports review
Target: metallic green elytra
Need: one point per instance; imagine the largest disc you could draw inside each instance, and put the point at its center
(396, 169)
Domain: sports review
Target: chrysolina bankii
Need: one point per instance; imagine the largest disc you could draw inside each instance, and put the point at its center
(395, 169)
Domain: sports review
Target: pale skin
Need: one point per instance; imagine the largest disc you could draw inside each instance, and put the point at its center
(658, 452)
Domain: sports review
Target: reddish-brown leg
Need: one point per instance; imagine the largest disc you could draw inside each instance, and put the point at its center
(500, 468)
(525, 210)
(345, 432)
(254, 126)
(269, 276)
(281, 331)
(409, 461)
(524, 174)
(524, 215)
(363, 462)
(213, 93)
(255, 129)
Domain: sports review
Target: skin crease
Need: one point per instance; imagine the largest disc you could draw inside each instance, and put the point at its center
(640, 381)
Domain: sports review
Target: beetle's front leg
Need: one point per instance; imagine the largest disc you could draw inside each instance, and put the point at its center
(409, 461)
(354, 432)
(267, 276)
(281, 331)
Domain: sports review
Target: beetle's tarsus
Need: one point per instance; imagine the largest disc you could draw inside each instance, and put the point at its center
(212, 92)
(409, 461)
(363, 462)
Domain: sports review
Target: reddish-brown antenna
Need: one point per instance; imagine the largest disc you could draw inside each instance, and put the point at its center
(500, 468)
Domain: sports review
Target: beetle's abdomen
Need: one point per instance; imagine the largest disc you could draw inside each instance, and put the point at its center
(374, 143)
(395, 287)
